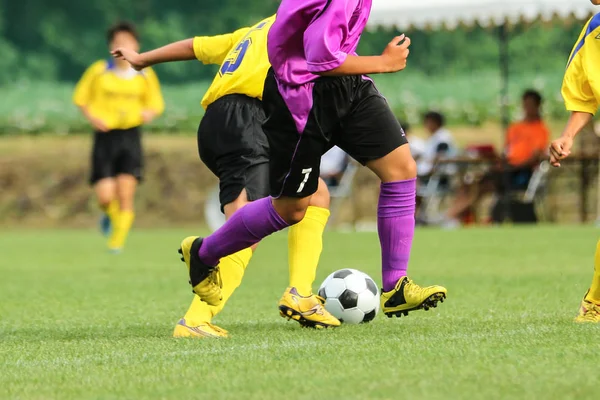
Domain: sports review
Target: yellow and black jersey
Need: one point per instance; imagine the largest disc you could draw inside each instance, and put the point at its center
(242, 56)
(581, 84)
(118, 98)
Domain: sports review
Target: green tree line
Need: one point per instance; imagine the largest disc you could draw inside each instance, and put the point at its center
(58, 39)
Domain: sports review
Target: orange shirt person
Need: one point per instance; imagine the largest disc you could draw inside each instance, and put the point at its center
(527, 140)
(525, 147)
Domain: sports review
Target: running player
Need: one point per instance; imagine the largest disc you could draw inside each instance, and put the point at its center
(232, 144)
(316, 96)
(117, 101)
(581, 92)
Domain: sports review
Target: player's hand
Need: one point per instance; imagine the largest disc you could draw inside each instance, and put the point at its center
(148, 116)
(133, 57)
(560, 149)
(99, 125)
(395, 54)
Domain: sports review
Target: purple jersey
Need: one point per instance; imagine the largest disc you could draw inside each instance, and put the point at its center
(311, 36)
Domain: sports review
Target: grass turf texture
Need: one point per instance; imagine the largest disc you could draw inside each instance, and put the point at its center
(79, 323)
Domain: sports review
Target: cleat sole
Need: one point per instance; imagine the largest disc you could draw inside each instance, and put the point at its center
(291, 314)
(430, 302)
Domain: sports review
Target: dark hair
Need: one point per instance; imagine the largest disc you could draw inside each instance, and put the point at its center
(534, 95)
(121, 26)
(435, 117)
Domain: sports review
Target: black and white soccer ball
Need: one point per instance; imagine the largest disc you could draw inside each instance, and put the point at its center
(351, 296)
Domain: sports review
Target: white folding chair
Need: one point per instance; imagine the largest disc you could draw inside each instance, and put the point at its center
(212, 210)
(342, 191)
(537, 183)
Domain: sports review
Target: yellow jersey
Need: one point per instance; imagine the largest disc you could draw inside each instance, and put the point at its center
(118, 99)
(581, 84)
(242, 56)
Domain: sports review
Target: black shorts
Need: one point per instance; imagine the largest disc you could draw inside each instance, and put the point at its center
(117, 152)
(233, 145)
(348, 112)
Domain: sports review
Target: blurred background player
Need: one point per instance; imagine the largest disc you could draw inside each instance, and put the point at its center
(234, 147)
(315, 96)
(581, 92)
(117, 100)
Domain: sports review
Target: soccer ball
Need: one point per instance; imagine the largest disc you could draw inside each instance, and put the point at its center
(351, 296)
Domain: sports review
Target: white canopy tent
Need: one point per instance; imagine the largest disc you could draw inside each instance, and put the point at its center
(437, 14)
(450, 13)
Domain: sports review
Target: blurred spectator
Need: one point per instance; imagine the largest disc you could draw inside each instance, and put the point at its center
(416, 144)
(440, 143)
(526, 143)
(333, 165)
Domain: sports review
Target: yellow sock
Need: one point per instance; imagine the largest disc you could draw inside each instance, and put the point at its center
(232, 270)
(113, 210)
(305, 243)
(594, 293)
(120, 229)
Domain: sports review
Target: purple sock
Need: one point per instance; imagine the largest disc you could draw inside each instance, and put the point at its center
(396, 227)
(247, 226)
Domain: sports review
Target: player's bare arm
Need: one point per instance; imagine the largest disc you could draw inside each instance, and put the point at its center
(97, 123)
(561, 147)
(182, 50)
(393, 59)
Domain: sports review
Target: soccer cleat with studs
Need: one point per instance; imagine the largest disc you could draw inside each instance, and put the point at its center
(203, 330)
(588, 312)
(407, 296)
(205, 279)
(308, 311)
(105, 225)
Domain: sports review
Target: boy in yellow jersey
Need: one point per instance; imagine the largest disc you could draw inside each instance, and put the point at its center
(581, 92)
(233, 146)
(117, 100)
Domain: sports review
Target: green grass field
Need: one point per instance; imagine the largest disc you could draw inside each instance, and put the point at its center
(77, 323)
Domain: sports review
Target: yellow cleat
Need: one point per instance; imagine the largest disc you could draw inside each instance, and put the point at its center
(204, 330)
(205, 280)
(588, 312)
(408, 296)
(308, 311)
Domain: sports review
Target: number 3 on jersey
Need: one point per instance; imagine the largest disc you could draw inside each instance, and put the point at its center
(237, 55)
(232, 64)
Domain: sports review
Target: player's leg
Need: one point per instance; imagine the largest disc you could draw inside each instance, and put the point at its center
(294, 161)
(197, 321)
(129, 171)
(590, 306)
(105, 190)
(126, 188)
(102, 179)
(305, 243)
(373, 136)
(233, 146)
